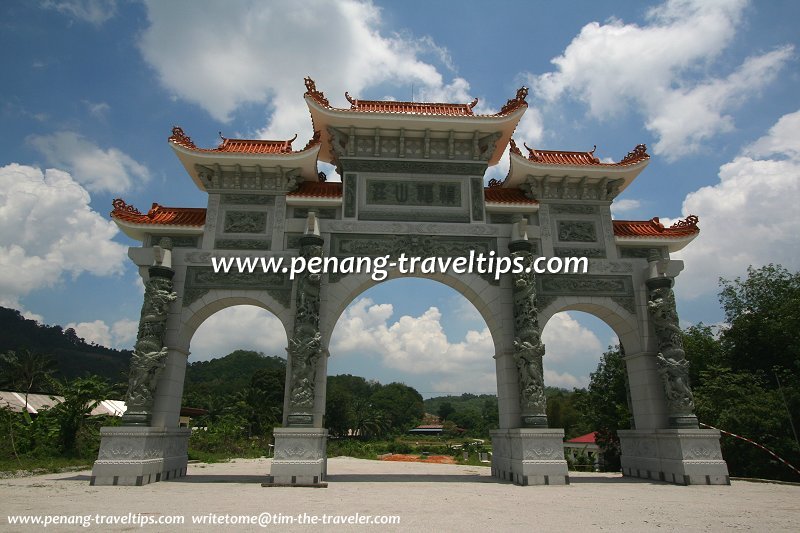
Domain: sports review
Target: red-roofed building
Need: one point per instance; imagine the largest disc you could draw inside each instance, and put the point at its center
(584, 445)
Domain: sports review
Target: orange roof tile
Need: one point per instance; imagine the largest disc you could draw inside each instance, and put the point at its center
(417, 108)
(312, 189)
(498, 195)
(654, 228)
(412, 108)
(159, 214)
(561, 157)
(241, 146)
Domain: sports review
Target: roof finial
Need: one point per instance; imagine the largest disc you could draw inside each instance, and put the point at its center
(532, 154)
(638, 153)
(178, 137)
(311, 90)
(517, 101)
(353, 101)
(472, 103)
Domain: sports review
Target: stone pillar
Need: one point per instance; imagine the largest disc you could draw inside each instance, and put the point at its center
(528, 347)
(145, 450)
(300, 447)
(673, 367)
(680, 453)
(530, 454)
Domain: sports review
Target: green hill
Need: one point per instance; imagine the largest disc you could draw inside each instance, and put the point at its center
(73, 356)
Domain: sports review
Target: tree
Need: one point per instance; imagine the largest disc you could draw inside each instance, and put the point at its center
(445, 410)
(26, 371)
(763, 313)
(81, 395)
(605, 405)
(402, 404)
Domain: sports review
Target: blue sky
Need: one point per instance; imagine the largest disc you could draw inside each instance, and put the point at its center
(92, 89)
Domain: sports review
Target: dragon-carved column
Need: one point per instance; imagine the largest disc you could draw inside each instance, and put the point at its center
(528, 347)
(149, 353)
(305, 348)
(673, 367)
(301, 445)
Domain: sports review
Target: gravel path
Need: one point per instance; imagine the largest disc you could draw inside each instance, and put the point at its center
(426, 497)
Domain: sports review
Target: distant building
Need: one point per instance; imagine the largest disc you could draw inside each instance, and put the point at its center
(15, 401)
(586, 444)
(428, 429)
(41, 402)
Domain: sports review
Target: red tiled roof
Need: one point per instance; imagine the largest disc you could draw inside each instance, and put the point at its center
(589, 438)
(654, 228)
(241, 146)
(159, 214)
(413, 108)
(561, 157)
(312, 189)
(417, 108)
(498, 195)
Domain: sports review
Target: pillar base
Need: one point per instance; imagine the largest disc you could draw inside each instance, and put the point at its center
(301, 457)
(528, 456)
(135, 455)
(682, 456)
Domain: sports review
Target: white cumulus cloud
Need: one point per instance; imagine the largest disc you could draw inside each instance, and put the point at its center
(47, 230)
(417, 345)
(222, 56)
(121, 334)
(663, 69)
(243, 327)
(98, 170)
(750, 217)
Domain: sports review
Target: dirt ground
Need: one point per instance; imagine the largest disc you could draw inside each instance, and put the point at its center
(425, 497)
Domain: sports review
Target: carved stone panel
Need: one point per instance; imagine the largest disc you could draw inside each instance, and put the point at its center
(200, 280)
(577, 231)
(562, 251)
(245, 222)
(178, 241)
(618, 288)
(248, 199)
(573, 209)
(350, 181)
(413, 193)
(476, 185)
(242, 244)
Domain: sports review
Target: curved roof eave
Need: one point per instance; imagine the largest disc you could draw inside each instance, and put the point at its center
(673, 244)
(305, 159)
(323, 116)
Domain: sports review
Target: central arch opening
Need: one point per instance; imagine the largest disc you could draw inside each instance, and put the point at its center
(587, 392)
(411, 375)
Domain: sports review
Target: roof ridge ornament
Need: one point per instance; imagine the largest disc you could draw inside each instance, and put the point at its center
(311, 90)
(179, 137)
(689, 222)
(514, 149)
(473, 103)
(120, 205)
(637, 154)
(353, 101)
(657, 223)
(315, 139)
(517, 101)
(533, 155)
(154, 210)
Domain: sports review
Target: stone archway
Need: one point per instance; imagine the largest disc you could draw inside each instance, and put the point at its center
(412, 183)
